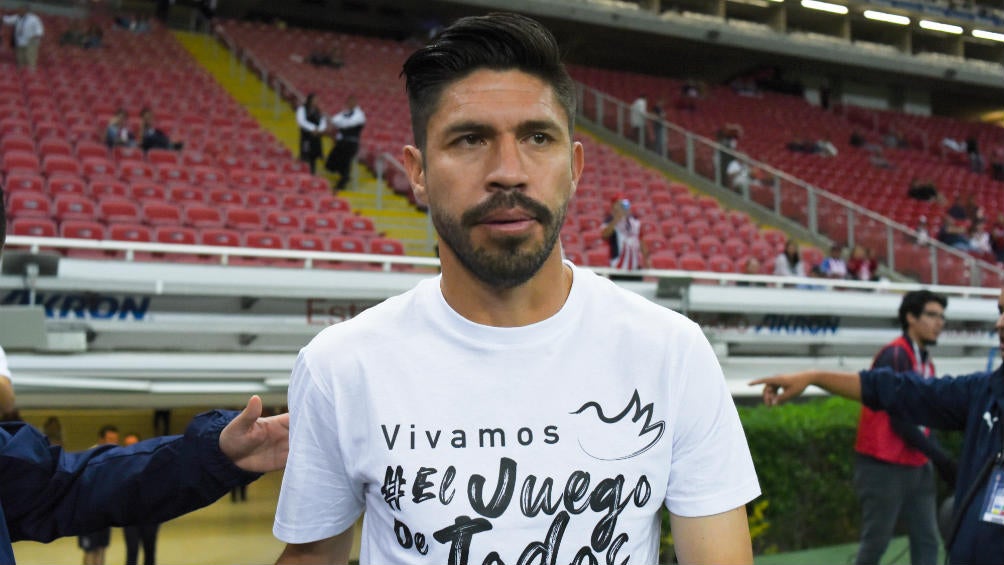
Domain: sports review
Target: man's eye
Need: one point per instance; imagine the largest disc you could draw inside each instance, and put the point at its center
(540, 138)
(471, 139)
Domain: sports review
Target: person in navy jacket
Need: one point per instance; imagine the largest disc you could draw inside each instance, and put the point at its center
(972, 403)
(47, 493)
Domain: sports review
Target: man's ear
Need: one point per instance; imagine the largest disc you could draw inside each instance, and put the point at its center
(416, 173)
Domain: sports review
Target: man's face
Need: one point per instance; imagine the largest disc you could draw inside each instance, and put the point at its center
(926, 327)
(110, 438)
(1000, 321)
(497, 172)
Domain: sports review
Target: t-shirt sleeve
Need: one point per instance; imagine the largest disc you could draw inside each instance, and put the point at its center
(711, 469)
(319, 499)
(4, 369)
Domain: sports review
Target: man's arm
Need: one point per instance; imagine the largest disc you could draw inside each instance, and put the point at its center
(49, 493)
(330, 551)
(6, 397)
(720, 538)
(782, 388)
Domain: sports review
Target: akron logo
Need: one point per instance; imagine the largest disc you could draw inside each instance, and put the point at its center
(627, 434)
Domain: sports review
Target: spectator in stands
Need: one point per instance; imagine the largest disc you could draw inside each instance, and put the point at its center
(349, 124)
(801, 145)
(311, 122)
(331, 58)
(893, 139)
(826, 148)
(973, 152)
(622, 231)
(135, 24)
(857, 139)
(997, 237)
(751, 266)
(95, 543)
(923, 189)
(974, 212)
(979, 239)
(154, 137)
(954, 232)
(86, 39)
(954, 145)
(727, 137)
(834, 266)
(637, 118)
(28, 32)
(504, 328)
(862, 265)
(997, 163)
(117, 133)
(789, 262)
(923, 231)
(894, 475)
(145, 533)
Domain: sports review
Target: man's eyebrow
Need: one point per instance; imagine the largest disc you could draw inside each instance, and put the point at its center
(538, 125)
(468, 126)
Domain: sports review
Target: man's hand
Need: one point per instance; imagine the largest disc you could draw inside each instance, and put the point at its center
(782, 388)
(256, 444)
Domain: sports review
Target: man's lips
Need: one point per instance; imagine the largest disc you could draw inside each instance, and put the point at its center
(507, 217)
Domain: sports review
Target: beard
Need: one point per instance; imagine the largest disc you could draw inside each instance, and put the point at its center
(507, 264)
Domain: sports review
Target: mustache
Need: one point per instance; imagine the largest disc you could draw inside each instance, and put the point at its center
(505, 200)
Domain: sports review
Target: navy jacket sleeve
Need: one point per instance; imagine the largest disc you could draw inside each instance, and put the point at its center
(941, 403)
(47, 493)
(896, 359)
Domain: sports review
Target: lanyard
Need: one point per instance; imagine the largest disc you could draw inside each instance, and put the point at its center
(920, 367)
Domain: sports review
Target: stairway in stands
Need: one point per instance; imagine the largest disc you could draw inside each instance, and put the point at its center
(395, 216)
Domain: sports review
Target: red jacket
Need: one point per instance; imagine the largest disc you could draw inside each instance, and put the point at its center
(876, 438)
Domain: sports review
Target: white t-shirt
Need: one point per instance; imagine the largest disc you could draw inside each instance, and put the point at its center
(566, 436)
(638, 109)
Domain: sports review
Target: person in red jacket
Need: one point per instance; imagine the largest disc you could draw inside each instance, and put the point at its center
(893, 473)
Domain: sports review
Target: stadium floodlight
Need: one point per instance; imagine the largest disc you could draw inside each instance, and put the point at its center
(888, 18)
(938, 26)
(824, 6)
(992, 36)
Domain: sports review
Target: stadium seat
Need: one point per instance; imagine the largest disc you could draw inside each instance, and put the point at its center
(130, 232)
(159, 157)
(135, 171)
(185, 194)
(20, 161)
(322, 224)
(664, 259)
(204, 174)
(161, 214)
(692, 262)
(69, 206)
(33, 227)
(654, 242)
(17, 142)
(242, 219)
(29, 205)
(306, 242)
(104, 187)
(329, 203)
(709, 245)
(66, 184)
(118, 210)
(721, 264)
(245, 179)
(346, 244)
(97, 167)
(81, 229)
(170, 172)
(89, 149)
(298, 203)
(386, 246)
(220, 236)
(283, 222)
(147, 191)
(261, 199)
(682, 244)
(24, 182)
(226, 197)
(61, 164)
(599, 257)
(176, 235)
(203, 217)
(361, 226)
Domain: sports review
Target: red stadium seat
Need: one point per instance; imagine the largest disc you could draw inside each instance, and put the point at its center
(73, 207)
(24, 182)
(306, 242)
(280, 182)
(226, 197)
(721, 264)
(98, 167)
(709, 245)
(118, 210)
(246, 180)
(55, 146)
(599, 257)
(681, 244)
(147, 191)
(61, 164)
(185, 194)
(329, 203)
(81, 229)
(136, 171)
(176, 235)
(261, 199)
(283, 222)
(346, 244)
(242, 219)
(221, 237)
(17, 142)
(298, 203)
(162, 157)
(169, 172)
(20, 161)
(665, 259)
(109, 187)
(33, 227)
(91, 149)
(692, 262)
(325, 224)
(66, 184)
(161, 214)
(358, 225)
(203, 217)
(386, 246)
(130, 232)
(29, 205)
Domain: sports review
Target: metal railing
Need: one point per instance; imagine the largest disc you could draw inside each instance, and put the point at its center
(821, 212)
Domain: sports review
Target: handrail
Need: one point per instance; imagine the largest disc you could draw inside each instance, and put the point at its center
(813, 193)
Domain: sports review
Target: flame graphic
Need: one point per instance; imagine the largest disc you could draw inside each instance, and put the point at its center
(610, 432)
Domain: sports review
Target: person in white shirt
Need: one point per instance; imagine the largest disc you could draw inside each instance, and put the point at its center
(637, 117)
(28, 32)
(311, 122)
(349, 124)
(515, 408)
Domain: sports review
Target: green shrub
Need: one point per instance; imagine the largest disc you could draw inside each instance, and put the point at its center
(804, 457)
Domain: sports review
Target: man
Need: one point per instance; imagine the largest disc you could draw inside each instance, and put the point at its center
(972, 403)
(46, 493)
(516, 408)
(636, 117)
(145, 533)
(349, 123)
(834, 266)
(28, 31)
(311, 122)
(95, 543)
(622, 231)
(893, 475)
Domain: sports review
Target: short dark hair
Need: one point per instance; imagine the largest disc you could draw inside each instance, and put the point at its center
(498, 41)
(914, 303)
(107, 428)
